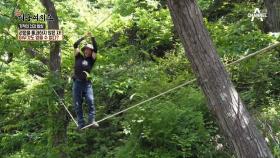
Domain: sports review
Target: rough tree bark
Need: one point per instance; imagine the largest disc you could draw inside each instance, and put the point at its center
(223, 99)
(272, 22)
(57, 117)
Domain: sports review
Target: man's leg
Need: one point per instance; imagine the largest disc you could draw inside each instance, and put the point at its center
(90, 102)
(78, 100)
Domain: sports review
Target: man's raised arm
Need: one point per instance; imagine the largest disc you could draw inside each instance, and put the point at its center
(76, 45)
(93, 41)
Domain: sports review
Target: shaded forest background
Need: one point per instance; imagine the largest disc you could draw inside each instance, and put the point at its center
(140, 56)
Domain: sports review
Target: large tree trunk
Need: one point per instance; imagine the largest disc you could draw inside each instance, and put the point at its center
(57, 116)
(223, 100)
(272, 22)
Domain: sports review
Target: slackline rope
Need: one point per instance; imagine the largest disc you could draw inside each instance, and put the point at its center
(185, 83)
(61, 101)
(104, 20)
(172, 89)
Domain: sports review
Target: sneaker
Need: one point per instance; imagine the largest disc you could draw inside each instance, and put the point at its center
(93, 124)
(79, 128)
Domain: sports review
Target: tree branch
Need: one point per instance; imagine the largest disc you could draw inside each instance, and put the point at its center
(35, 54)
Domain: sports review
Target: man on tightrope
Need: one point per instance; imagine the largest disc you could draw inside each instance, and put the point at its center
(82, 86)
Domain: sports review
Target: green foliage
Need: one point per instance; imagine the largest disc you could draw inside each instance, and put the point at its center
(155, 28)
(139, 57)
(204, 4)
(270, 118)
(240, 37)
(128, 7)
(170, 128)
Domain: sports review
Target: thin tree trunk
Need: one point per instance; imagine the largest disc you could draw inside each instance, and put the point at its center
(272, 22)
(57, 116)
(223, 100)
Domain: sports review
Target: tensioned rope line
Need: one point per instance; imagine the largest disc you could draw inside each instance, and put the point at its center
(152, 98)
(61, 101)
(186, 83)
(172, 89)
(104, 20)
(255, 53)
